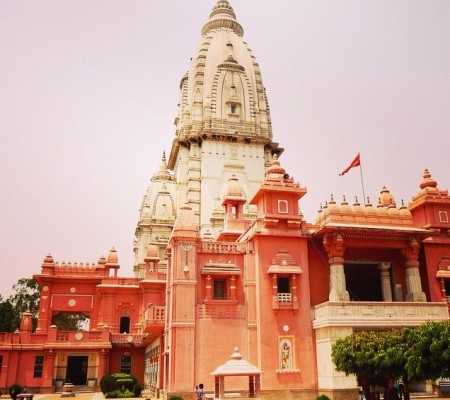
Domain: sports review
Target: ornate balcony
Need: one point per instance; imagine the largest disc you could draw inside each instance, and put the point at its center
(377, 314)
(128, 339)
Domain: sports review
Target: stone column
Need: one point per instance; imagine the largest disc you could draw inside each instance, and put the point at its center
(413, 282)
(49, 368)
(221, 387)
(216, 387)
(257, 386)
(102, 365)
(251, 386)
(334, 245)
(385, 281)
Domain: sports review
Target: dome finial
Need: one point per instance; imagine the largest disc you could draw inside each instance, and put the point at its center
(223, 16)
(428, 181)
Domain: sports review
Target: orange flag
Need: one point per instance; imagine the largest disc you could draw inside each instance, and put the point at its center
(355, 163)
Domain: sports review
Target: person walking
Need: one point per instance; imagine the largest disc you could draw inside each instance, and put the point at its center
(199, 390)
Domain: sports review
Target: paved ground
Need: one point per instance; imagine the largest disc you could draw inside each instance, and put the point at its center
(78, 396)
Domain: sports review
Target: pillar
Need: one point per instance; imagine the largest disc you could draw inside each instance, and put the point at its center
(251, 386)
(233, 288)
(257, 386)
(221, 387)
(49, 369)
(216, 387)
(208, 288)
(413, 282)
(443, 291)
(338, 289)
(385, 276)
(334, 245)
(102, 365)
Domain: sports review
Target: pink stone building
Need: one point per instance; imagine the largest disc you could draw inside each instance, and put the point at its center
(226, 266)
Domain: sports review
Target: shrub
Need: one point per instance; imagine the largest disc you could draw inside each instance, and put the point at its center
(125, 384)
(322, 397)
(126, 394)
(137, 390)
(175, 398)
(117, 394)
(107, 384)
(14, 390)
(114, 394)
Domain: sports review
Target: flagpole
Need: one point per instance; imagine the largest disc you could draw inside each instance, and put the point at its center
(362, 184)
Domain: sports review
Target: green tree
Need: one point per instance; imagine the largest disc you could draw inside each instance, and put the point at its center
(69, 322)
(379, 356)
(26, 298)
(428, 351)
(7, 314)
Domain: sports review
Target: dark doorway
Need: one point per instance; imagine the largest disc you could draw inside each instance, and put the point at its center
(77, 367)
(363, 282)
(125, 325)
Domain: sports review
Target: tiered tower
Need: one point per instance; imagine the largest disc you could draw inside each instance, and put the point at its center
(223, 128)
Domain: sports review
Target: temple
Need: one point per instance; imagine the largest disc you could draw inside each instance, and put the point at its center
(232, 287)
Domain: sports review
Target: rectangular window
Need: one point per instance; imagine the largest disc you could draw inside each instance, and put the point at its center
(284, 289)
(38, 366)
(443, 217)
(125, 364)
(282, 206)
(220, 289)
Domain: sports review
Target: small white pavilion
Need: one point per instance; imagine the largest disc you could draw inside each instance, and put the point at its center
(236, 366)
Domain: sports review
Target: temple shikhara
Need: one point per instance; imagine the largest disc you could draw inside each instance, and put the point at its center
(232, 287)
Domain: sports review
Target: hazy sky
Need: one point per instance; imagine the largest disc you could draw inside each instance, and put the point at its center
(89, 92)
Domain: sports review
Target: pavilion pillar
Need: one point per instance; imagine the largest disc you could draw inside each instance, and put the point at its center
(221, 387)
(216, 387)
(257, 386)
(386, 288)
(251, 386)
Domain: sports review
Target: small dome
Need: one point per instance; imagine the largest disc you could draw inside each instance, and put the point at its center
(358, 210)
(112, 257)
(275, 170)
(234, 188)
(427, 182)
(319, 216)
(186, 219)
(48, 259)
(386, 199)
(152, 251)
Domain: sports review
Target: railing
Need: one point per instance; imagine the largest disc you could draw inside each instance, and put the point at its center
(77, 336)
(284, 297)
(222, 247)
(155, 315)
(377, 314)
(121, 281)
(135, 339)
